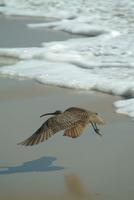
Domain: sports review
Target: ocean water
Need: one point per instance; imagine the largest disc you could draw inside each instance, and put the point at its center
(101, 58)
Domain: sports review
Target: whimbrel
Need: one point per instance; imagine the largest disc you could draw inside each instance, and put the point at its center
(73, 120)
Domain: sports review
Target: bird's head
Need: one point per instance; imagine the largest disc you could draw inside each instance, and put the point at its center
(57, 112)
(96, 118)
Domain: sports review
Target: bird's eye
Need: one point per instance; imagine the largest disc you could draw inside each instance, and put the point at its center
(96, 113)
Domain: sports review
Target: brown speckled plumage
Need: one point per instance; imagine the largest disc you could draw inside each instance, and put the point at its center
(73, 120)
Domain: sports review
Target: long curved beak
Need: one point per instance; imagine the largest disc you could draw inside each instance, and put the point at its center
(46, 114)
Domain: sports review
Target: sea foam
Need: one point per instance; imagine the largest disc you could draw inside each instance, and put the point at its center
(100, 59)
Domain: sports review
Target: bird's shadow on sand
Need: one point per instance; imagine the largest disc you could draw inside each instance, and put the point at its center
(43, 164)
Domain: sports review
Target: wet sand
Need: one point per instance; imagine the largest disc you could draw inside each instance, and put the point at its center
(89, 167)
(103, 164)
(15, 33)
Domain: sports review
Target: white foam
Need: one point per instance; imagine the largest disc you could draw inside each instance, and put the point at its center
(75, 26)
(103, 62)
(35, 8)
(97, 64)
(125, 107)
(69, 70)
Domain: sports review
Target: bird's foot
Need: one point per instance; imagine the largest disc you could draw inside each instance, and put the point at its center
(98, 131)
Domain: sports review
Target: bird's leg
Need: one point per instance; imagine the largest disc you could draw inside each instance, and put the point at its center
(93, 125)
(96, 128)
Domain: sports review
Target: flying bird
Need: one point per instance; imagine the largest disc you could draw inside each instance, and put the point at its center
(73, 121)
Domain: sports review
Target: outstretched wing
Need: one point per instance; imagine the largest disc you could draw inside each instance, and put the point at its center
(43, 133)
(75, 131)
(50, 127)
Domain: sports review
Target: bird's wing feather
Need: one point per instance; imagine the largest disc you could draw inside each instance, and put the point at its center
(50, 127)
(77, 113)
(43, 133)
(75, 131)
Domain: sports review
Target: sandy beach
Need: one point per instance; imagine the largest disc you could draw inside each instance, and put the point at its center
(89, 167)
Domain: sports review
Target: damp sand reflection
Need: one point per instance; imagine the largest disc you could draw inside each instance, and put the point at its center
(74, 187)
(77, 190)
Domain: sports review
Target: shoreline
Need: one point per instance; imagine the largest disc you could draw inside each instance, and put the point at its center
(27, 37)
